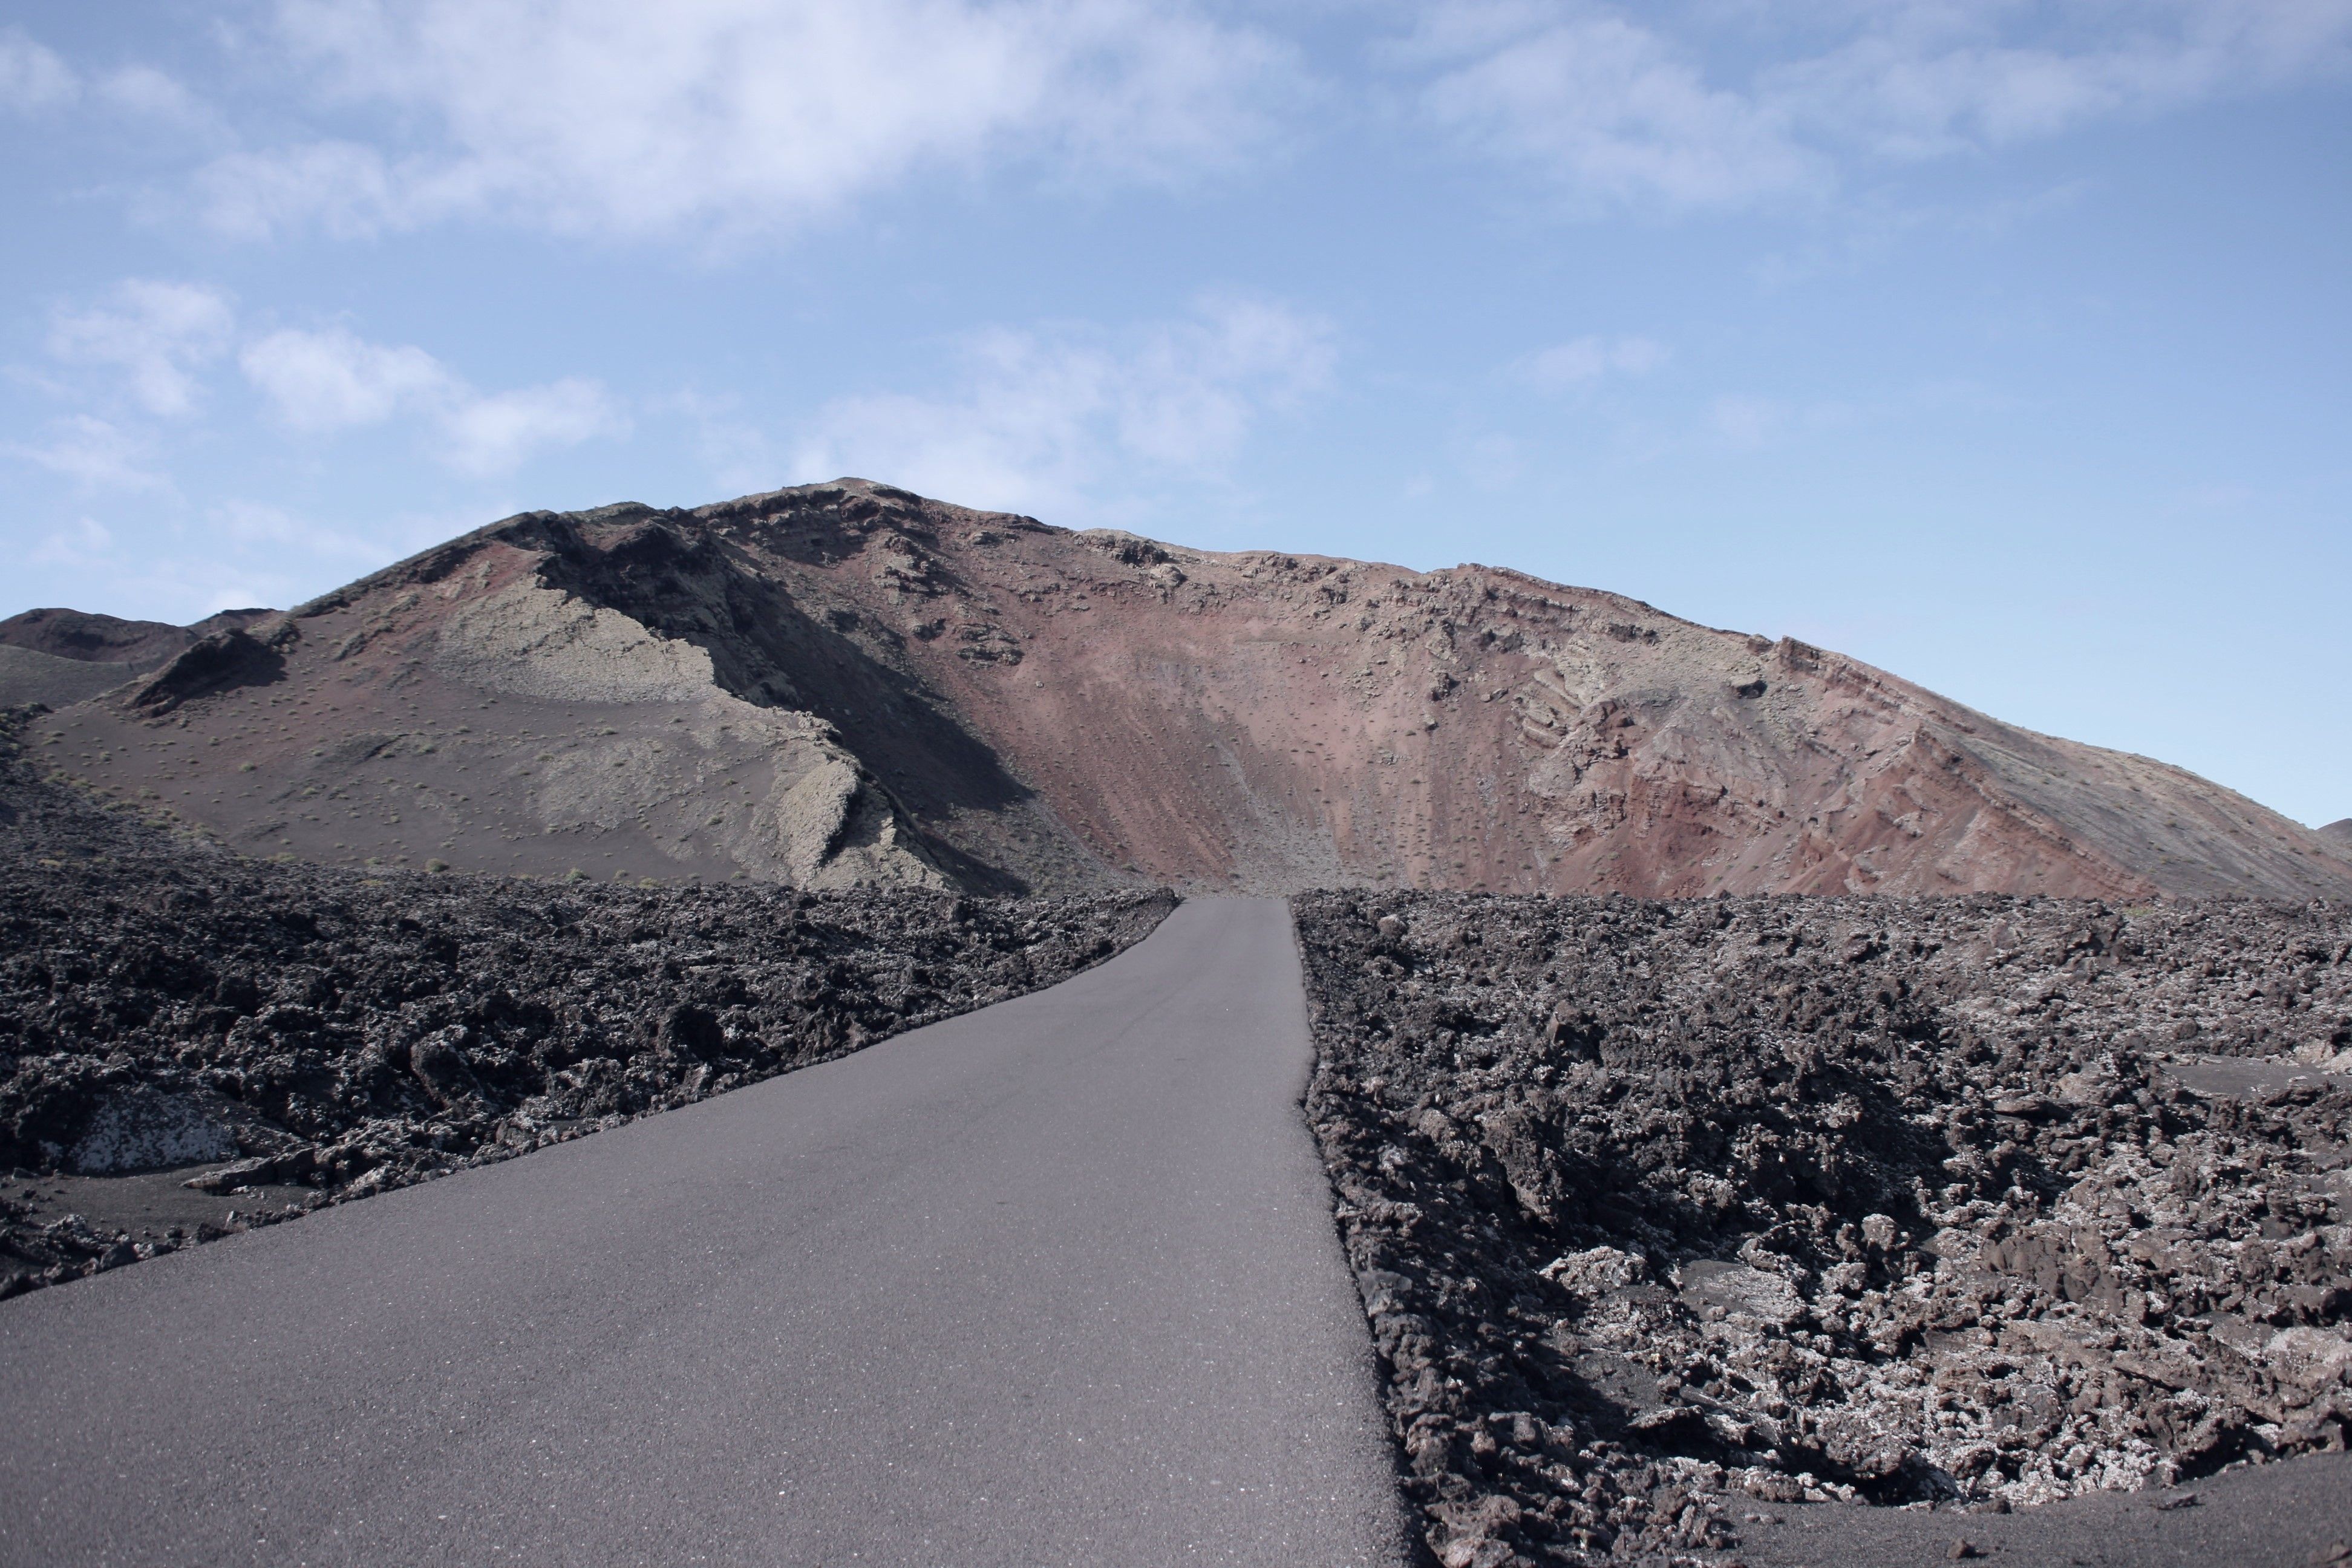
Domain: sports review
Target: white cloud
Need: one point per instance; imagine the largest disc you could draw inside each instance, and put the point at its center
(1059, 421)
(345, 188)
(1617, 112)
(1625, 110)
(739, 456)
(252, 525)
(158, 333)
(93, 452)
(1493, 461)
(1747, 423)
(185, 584)
(32, 77)
(334, 379)
(497, 434)
(323, 381)
(1580, 361)
(147, 92)
(611, 115)
(1928, 78)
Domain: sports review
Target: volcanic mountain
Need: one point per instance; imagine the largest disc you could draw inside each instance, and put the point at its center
(845, 684)
(58, 656)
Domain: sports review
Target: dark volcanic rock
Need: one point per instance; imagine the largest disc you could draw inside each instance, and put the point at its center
(231, 657)
(1660, 1207)
(332, 1033)
(60, 656)
(107, 639)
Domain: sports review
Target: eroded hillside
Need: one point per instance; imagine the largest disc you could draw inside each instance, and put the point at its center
(845, 684)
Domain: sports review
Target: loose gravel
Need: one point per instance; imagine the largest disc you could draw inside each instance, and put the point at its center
(1666, 1211)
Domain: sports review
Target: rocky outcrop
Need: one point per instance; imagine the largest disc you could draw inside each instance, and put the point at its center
(226, 658)
(1023, 706)
(1662, 1208)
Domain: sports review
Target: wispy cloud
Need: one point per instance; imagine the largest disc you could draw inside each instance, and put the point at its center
(86, 542)
(95, 453)
(739, 455)
(254, 525)
(497, 432)
(1074, 420)
(615, 117)
(1615, 112)
(147, 93)
(32, 77)
(160, 337)
(343, 187)
(1580, 361)
(319, 383)
(156, 333)
(1619, 107)
(1747, 423)
(322, 382)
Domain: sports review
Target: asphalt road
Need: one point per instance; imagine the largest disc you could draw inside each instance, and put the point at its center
(1053, 1283)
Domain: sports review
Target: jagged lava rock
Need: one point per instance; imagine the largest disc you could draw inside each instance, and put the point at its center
(331, 1034)
(1659, 1208)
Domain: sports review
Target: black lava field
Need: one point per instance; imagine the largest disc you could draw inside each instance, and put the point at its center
(298, 1036)
(1660, 1211)
(1663, 1209)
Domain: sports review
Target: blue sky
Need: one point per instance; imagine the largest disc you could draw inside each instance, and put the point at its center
(2008, 346)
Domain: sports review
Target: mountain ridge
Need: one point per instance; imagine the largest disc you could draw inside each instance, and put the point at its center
(844, 682)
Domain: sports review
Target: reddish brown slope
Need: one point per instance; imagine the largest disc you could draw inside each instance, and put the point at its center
(1281, 722)
(1026, 703)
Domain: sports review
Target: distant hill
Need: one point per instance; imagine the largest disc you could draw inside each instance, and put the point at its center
(845, 683)
(59, 656)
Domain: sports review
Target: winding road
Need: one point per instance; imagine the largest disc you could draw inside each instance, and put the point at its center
(1054, 1282)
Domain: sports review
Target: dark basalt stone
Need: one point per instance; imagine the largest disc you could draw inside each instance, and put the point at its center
(1663, 1207)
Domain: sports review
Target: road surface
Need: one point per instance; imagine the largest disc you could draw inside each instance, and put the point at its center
(1055, 1282)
